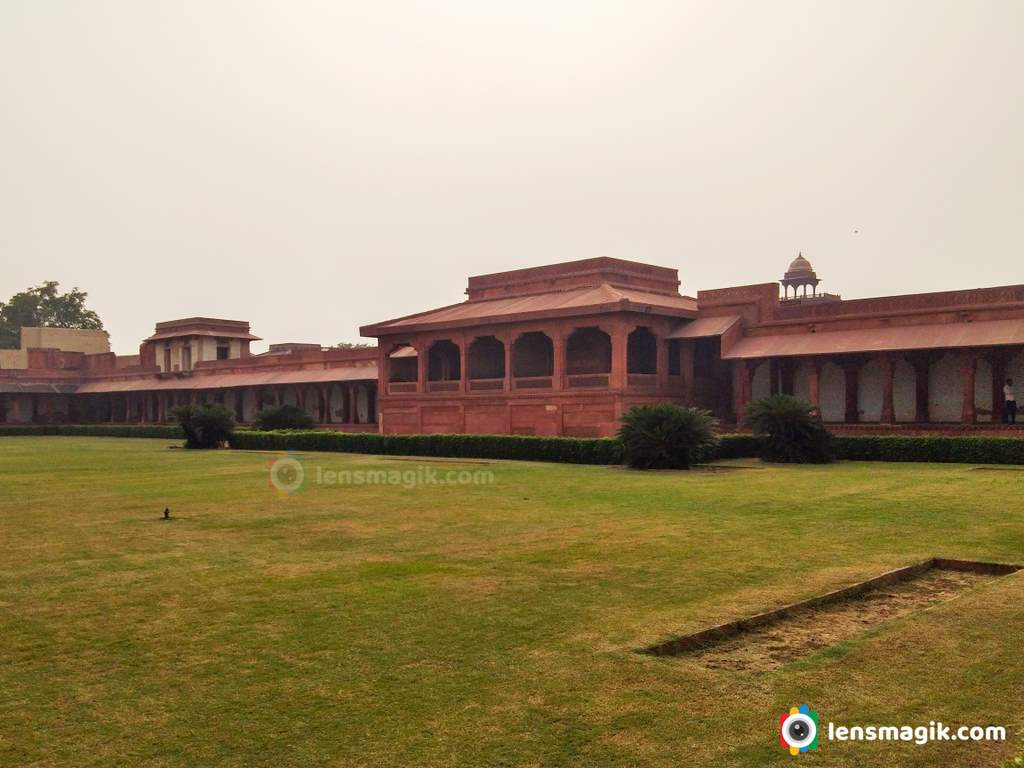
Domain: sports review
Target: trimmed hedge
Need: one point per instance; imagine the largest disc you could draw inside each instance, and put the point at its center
(573, 450)
(568, 450)
(168, 431)
(735, 446)
(961, 450)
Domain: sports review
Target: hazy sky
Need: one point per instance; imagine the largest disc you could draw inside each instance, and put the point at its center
(314, 166)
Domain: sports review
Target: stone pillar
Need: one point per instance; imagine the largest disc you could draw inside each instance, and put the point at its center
(325, 403)
(662, 363)
(113, 408)
(464, 365)
(922, 393)
(851, 371)
(687, 351)
(774, 373)
(814, 384)
(968, 367)
(240, 404)
(508, 342)
(998, 361)
(619, 342)
(353, 404)
(558, 358)
(888, 374)
(422, 355)
(743, 375)
(383, 366)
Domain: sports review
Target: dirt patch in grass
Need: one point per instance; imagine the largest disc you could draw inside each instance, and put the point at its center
(771, 640)
(809, 631)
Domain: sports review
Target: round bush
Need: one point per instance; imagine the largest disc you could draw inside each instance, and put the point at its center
(793, 432)
(665, 436)
(205, 426)
(283, 417)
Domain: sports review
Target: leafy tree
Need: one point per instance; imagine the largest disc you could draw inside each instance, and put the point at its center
(284, 417)
(206, 426)
(44, 306)
(351, 345)
(665, 436)
(792, 430)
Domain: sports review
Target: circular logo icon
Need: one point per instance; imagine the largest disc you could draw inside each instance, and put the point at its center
(287, 474)
(799, 730)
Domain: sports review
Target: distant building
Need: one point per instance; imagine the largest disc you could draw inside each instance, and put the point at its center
(565, 349)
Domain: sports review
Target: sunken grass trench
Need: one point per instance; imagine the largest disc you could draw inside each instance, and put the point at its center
(479, 625)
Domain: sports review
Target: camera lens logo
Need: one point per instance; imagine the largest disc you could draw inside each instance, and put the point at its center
(799, 730)
(287, 474)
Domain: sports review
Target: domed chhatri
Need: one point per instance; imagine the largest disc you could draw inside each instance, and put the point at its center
(800, 273)
(800, 267)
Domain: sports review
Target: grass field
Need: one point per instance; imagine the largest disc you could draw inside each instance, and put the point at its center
(477, 625)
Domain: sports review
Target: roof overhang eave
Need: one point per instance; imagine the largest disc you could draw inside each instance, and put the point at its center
(625, 305)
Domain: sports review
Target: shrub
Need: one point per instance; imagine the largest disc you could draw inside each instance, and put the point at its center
(205, 426)
(792, 431)
(968, 450)
(942, 449)
(283, 417)
(571, 450)
(665, 436)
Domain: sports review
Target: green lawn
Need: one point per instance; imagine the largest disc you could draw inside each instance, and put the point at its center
(480, 625)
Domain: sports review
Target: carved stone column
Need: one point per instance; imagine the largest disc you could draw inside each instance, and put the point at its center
(851, 373)
(508, 341)
(814, 384)
(325, 399)
(687, 350)
(619, 343)
(998, 359)
(464, 364)
(422, 355)
(968, 368)
(558, 358)
(661, 363)
(888, 375)
(743, 376)
(922, 387)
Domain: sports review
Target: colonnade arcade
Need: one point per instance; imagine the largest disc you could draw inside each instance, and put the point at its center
(337, 403)
(941, 386)
(580, 357)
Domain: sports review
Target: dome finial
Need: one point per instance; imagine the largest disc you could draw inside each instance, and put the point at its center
(800, 274)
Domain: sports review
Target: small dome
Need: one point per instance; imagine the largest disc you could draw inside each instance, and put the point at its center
(800, 269)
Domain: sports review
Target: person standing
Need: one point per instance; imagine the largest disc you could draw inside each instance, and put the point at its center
(1009, 403)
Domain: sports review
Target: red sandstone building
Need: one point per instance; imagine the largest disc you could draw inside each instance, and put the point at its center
(565, 350)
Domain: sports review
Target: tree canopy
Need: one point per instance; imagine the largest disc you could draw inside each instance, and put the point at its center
(44, 305)
(351, 345)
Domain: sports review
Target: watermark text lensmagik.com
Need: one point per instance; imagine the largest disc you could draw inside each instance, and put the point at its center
(799, 732)
(407, 478)
(918, 734)
(289, 474)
